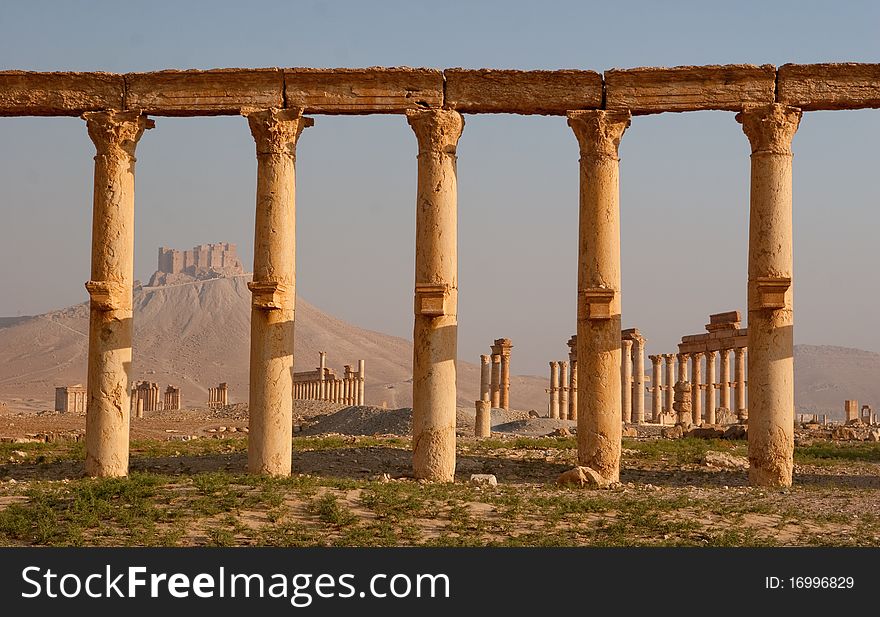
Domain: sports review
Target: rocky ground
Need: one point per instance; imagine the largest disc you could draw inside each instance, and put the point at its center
(351, 486)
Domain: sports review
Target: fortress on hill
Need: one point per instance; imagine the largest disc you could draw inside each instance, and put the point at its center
(205, 261)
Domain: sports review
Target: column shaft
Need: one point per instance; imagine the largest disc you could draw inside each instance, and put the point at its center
(505, 381)
(710, 388)
(739, 372)
(563, 390)
(670, 380)
(696, 381)
(495, 384)
(554, 389)
(626, 380)
(598, 304)
(485, 377)
(724, 379)
(362, 383)
(435, 331)
(638, 354)
(657, 388)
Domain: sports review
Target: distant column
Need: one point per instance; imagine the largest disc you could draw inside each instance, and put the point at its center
(554, 389)
(485, 377)
(505, 346)
(683, 367)
(710, 388)
(495, 383)
(739, 372)
(696, 381)
(362, 383)
(626, 380)
(669, 358)
(483, 420)
(270, 424)
(322, 365)
(638, 354)
(573, 379)
(115, 136)
(724, 378)
(657, 387)
(563, 390)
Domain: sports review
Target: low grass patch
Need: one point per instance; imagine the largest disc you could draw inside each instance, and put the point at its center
(831, 451)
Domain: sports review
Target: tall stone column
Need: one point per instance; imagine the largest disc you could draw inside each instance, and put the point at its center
(495, 383)
(435, 332)
(670, 380)
(710, 387)
(696, 381)
(598, 304)
(573, 379)
(638, 405)
(322, 367)
(505, 346)
(657, 388)
(554, 389)
(739, 373)
(563, 390)
(108, 412)
(626, 380)
(683, 366)
(485, 372)
(770, 129)
(361, 382)
(273, 290)
(724, 378)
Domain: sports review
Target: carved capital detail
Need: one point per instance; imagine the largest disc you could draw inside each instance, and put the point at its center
(437, 130)
(116, 133)
(770, 128)
(598, 131)
(276, 131)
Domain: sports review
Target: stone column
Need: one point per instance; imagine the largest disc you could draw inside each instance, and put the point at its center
(670, 380)
(696, 381)
(115, 135)
(362, 383)
(504, 346)
(657, 389)
(710, 387)
(563, 390)
(273, 290)
(483, 421)
(626, 380)
(770, 129)
(554, 389)
(485, 372)
(435, 332)
(573, 379)
(739, 373)
(683, 367)
(495, 384)
(724, 378)
(638, 405)
(322, 366)
(598, 304)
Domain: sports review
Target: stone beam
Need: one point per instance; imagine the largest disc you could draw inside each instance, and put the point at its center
(204, 93)
(26, 93)
(689, 88)
(522, 92)
(830, 86)
(373, 90)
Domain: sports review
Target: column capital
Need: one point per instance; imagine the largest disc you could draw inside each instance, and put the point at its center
(770, 128)
(656, 358)
(696, 355)
(739, 351)
(276, 131)
(437, 130)
(599, 131)
(485, 359)
(626, 343)
(116, 132)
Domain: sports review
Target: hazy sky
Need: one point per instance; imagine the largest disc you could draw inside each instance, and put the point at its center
(684, 177)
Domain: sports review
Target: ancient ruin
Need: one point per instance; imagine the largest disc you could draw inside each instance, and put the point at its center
(219, 396)
(322, 384)
(768, 103)
(70, 399)
(145, 397)
(205, 261)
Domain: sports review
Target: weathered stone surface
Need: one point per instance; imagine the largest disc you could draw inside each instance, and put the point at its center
(706, 432)
(736, 431)
(522, 92)
(830, 86)
(672, 432)
(629, 431)
(722, 460)
(26, 93)
(363, 91)
(582, 476)
(484, 479)
(689, 88)
(723, 415)
(843, 433)
(203, 93)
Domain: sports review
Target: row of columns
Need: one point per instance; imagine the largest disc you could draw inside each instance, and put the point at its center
(346, 391)
(219, 396)
(769, 128)
(564, 384)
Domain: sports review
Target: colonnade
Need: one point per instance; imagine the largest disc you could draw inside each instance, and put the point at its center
(323, 384)
(769, 128)
(219, 396)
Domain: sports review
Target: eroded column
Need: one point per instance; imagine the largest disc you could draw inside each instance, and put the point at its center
(598, 304)
(669, 358)
(696, 381)
(638, 354)
(505, 346)
(563, 390)
(739, 374)
(485, 372)
(115, 135)
(626, 380)
(554, 389)
(435, 331)
(657, 388)
(770, 129)
(710, 387)
(724, 379)
(495, 383)
(273, 291)
(361, 382)
(573, 379)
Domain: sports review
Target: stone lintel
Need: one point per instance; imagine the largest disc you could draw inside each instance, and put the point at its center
(653, 90)
(631, 334)
(713, 344)
(204, 93)
(374, 90)
(522, 92)
(848, 85)
(28, 93)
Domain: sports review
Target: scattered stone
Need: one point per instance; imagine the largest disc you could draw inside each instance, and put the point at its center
(723, 460)
(561, 432)
(630, 431)
(672, 432)
(484, 479)
(874, 435)
(582, 476)
(736, 431)
(534, 414)
(725, 416)
(844, 433)
(706, 432)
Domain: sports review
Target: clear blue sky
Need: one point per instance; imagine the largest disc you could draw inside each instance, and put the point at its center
(684, 177)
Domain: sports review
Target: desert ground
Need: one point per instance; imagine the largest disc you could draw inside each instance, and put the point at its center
(351, 486)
